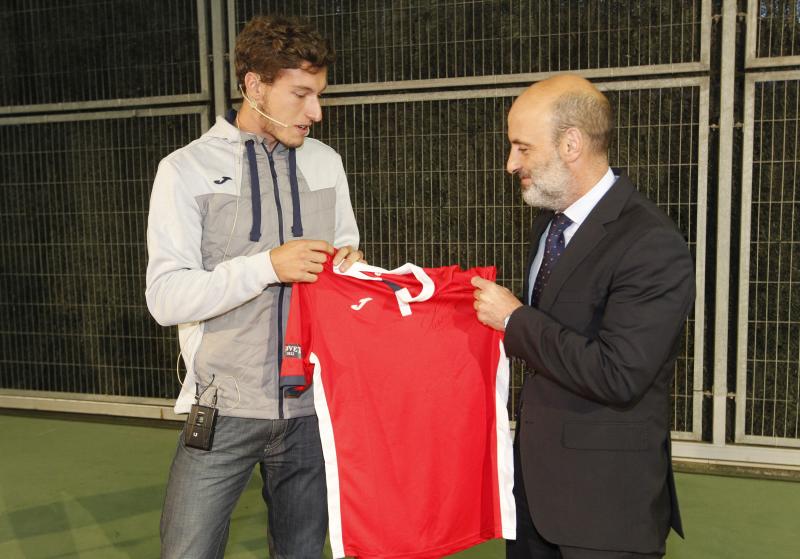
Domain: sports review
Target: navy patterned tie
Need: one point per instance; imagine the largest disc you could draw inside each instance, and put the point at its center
(553, 249)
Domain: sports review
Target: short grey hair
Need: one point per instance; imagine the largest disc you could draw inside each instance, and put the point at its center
(589, 113)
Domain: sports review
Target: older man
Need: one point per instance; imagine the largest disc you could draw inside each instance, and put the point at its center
(610, 283)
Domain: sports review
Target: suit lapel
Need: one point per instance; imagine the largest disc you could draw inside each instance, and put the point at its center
(539, 225)
(589, 234)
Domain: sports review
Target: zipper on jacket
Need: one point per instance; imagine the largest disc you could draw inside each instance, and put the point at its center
(283, 287)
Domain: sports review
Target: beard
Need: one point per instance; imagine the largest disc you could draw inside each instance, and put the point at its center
(550, 186)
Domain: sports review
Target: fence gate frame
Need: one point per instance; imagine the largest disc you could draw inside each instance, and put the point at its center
(737, 449)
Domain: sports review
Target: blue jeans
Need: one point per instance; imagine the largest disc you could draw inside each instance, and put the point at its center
(204, 486)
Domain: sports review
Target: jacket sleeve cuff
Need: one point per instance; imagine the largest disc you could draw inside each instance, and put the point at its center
(263, 264)
(515, 330)
(507, 320)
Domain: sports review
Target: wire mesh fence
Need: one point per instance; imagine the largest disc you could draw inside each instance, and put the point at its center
(383, 41)
(72, 250)
(775, 28)
(84, 51)
(426, 170)
(768, 391)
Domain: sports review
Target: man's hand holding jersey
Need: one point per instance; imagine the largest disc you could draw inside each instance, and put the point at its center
(301, 261)
(493, 303)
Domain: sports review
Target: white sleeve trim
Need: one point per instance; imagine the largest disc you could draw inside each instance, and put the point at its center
(331, 461)
(505, 450)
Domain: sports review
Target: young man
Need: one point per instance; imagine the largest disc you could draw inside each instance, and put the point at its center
(236, 217)
(609, 287)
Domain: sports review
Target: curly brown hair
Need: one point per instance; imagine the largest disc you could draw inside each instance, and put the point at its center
(269, 44)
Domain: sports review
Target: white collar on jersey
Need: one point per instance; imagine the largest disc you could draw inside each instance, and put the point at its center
(358, 269)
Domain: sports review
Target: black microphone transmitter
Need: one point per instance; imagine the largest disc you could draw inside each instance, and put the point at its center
(199, 430)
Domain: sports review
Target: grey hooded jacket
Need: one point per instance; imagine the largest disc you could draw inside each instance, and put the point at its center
(209, 268)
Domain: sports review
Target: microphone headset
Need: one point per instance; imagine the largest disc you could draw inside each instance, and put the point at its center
(254, 106)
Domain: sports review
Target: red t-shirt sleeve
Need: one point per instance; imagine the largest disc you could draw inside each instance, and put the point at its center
(296, 370)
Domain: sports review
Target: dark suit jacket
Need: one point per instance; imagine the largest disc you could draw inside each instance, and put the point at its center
(595, 417)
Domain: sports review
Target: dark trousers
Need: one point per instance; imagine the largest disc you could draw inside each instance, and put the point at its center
(531, 545)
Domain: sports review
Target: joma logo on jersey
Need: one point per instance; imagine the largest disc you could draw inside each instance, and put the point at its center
(361, 303)
(292, 350)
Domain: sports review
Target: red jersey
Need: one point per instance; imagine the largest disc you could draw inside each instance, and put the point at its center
(410, 390)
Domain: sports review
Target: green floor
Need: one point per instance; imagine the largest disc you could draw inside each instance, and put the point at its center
(75, 488)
